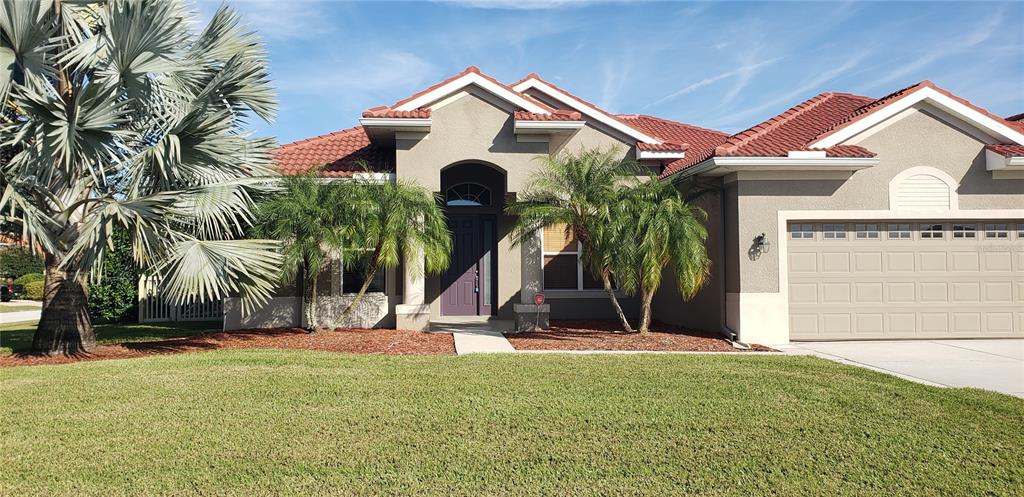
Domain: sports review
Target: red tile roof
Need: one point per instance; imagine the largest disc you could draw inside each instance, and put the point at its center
(666, 146)
(339, 154)
(1007, 150)
(558, 115)
(397, 114)
(694, 139)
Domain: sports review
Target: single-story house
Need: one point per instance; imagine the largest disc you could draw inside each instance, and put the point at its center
(845, 217)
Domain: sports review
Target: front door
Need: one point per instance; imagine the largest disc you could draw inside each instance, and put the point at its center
(467, 284)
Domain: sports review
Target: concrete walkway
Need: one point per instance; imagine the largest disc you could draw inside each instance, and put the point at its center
(989, 364)
(475, 335)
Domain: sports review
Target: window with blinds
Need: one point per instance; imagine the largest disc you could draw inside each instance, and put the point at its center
(563, 269)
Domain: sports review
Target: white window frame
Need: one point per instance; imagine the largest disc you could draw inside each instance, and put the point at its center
(909, 231)
(921, 227)
(802, 229)
(994, 232)
(579, 268)
(834, 234)
(966, 231)
(865, 229)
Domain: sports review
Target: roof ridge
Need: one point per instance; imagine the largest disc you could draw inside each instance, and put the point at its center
(306, 141)
(775, 122)
(470, 70)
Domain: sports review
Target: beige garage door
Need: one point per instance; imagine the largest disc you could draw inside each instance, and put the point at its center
(906, 279)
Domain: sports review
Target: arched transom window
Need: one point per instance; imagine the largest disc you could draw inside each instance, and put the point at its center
(468, 195)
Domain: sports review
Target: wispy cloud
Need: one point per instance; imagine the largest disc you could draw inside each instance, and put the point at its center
(280, 19)
(521, 4)
(336, 79)
(744, 73)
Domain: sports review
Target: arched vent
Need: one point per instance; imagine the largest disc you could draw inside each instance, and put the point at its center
(922, 191)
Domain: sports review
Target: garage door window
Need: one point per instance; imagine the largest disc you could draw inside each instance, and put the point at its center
(963, 231)
(833, 231)
(866, 231)
(931, 232)
(899, 232)
(801, 231)
(997, 231)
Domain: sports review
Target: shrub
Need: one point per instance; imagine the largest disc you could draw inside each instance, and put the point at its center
(115, 297)
(16, 261)
(28, 278)
(33, 290)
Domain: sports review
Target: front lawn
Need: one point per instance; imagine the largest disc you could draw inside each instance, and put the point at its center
(290, 422)
(17, 337)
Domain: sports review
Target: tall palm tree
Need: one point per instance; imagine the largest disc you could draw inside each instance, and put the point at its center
(117, 114)
(391, 220)
(312, 219)
(656, 227)
(578, 190)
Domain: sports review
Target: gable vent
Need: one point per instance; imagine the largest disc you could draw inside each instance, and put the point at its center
(922, 191)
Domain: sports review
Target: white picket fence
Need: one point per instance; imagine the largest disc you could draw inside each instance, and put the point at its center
(153, 308)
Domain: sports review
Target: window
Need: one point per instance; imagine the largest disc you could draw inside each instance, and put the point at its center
(931, 232)
(833, 231)
(899, 231)
(352, 280)
(963, 231)
(563, 269)
(866, 231)
(997, 231)
(801, 231)
(1020, 231)
(468, 195)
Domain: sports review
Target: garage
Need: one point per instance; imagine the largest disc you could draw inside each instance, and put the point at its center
(850, 280)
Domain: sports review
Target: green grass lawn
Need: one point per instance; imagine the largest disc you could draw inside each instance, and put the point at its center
(17, 337)
(273, 422)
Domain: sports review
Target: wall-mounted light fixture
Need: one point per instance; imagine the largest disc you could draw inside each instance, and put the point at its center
(762, 243)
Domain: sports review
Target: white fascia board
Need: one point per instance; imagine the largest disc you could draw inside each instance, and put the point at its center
(997, 162)
(725, 165)
(583, 108)
(472, 79)
(659, 154)
(806, 154)
(984, 122)
(396, 123)
(543, 127)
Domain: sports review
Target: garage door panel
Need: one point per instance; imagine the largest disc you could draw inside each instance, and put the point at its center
(905, 288)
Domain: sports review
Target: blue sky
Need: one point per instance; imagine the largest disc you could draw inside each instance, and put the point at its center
(722, 65)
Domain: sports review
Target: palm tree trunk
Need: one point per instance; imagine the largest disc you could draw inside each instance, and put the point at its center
(645, 311)
(64, 326)
(309, 298)
(607, 281)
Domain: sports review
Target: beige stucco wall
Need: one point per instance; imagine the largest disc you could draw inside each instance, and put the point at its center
(919, 139)
(474, 126)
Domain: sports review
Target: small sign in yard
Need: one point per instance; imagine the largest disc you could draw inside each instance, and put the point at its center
(538, 299)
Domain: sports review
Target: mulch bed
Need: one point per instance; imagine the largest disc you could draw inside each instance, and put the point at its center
(579, 334)
(357, 341)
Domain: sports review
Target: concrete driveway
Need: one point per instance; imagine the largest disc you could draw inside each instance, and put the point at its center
(990, 364)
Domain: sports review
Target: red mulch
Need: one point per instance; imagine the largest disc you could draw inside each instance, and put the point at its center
(583, 334)
(352, 340)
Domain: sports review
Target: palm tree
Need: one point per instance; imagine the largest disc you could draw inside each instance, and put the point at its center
(578, 190)
(118, 115)
(312, 220)
(656, 227)
(392, 219)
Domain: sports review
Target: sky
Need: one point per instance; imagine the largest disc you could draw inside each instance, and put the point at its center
(726, 66)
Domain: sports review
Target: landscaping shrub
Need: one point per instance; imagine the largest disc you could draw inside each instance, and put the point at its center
(28, 278)
(115, 297)
(34, 290)
(16, 262)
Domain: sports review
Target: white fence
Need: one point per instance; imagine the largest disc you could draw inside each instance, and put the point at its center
(153, 308)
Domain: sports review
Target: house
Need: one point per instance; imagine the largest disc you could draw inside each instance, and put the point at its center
(844, 217)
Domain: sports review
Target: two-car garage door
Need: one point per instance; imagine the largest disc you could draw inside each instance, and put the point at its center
(905, 279)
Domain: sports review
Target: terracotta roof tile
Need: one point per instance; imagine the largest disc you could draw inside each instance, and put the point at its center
(386, 112)
(558, 115)
(664, 146)
(1007, 150)
(696, 140)
(339, 154)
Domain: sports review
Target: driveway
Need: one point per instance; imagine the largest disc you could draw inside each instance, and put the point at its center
(990, 364)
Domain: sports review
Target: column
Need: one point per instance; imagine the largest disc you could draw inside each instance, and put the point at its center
(413, 313)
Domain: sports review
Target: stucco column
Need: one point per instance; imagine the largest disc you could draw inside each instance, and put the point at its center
(413, 313)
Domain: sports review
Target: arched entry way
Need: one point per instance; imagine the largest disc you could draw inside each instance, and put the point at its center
(473, 194)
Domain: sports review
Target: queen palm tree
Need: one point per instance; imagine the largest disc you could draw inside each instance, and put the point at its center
(656, 227)
(579, 191)
(391, 219)
(312, 219)
(117, 115)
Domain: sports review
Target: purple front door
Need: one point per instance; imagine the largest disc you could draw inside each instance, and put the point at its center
(467, 284)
